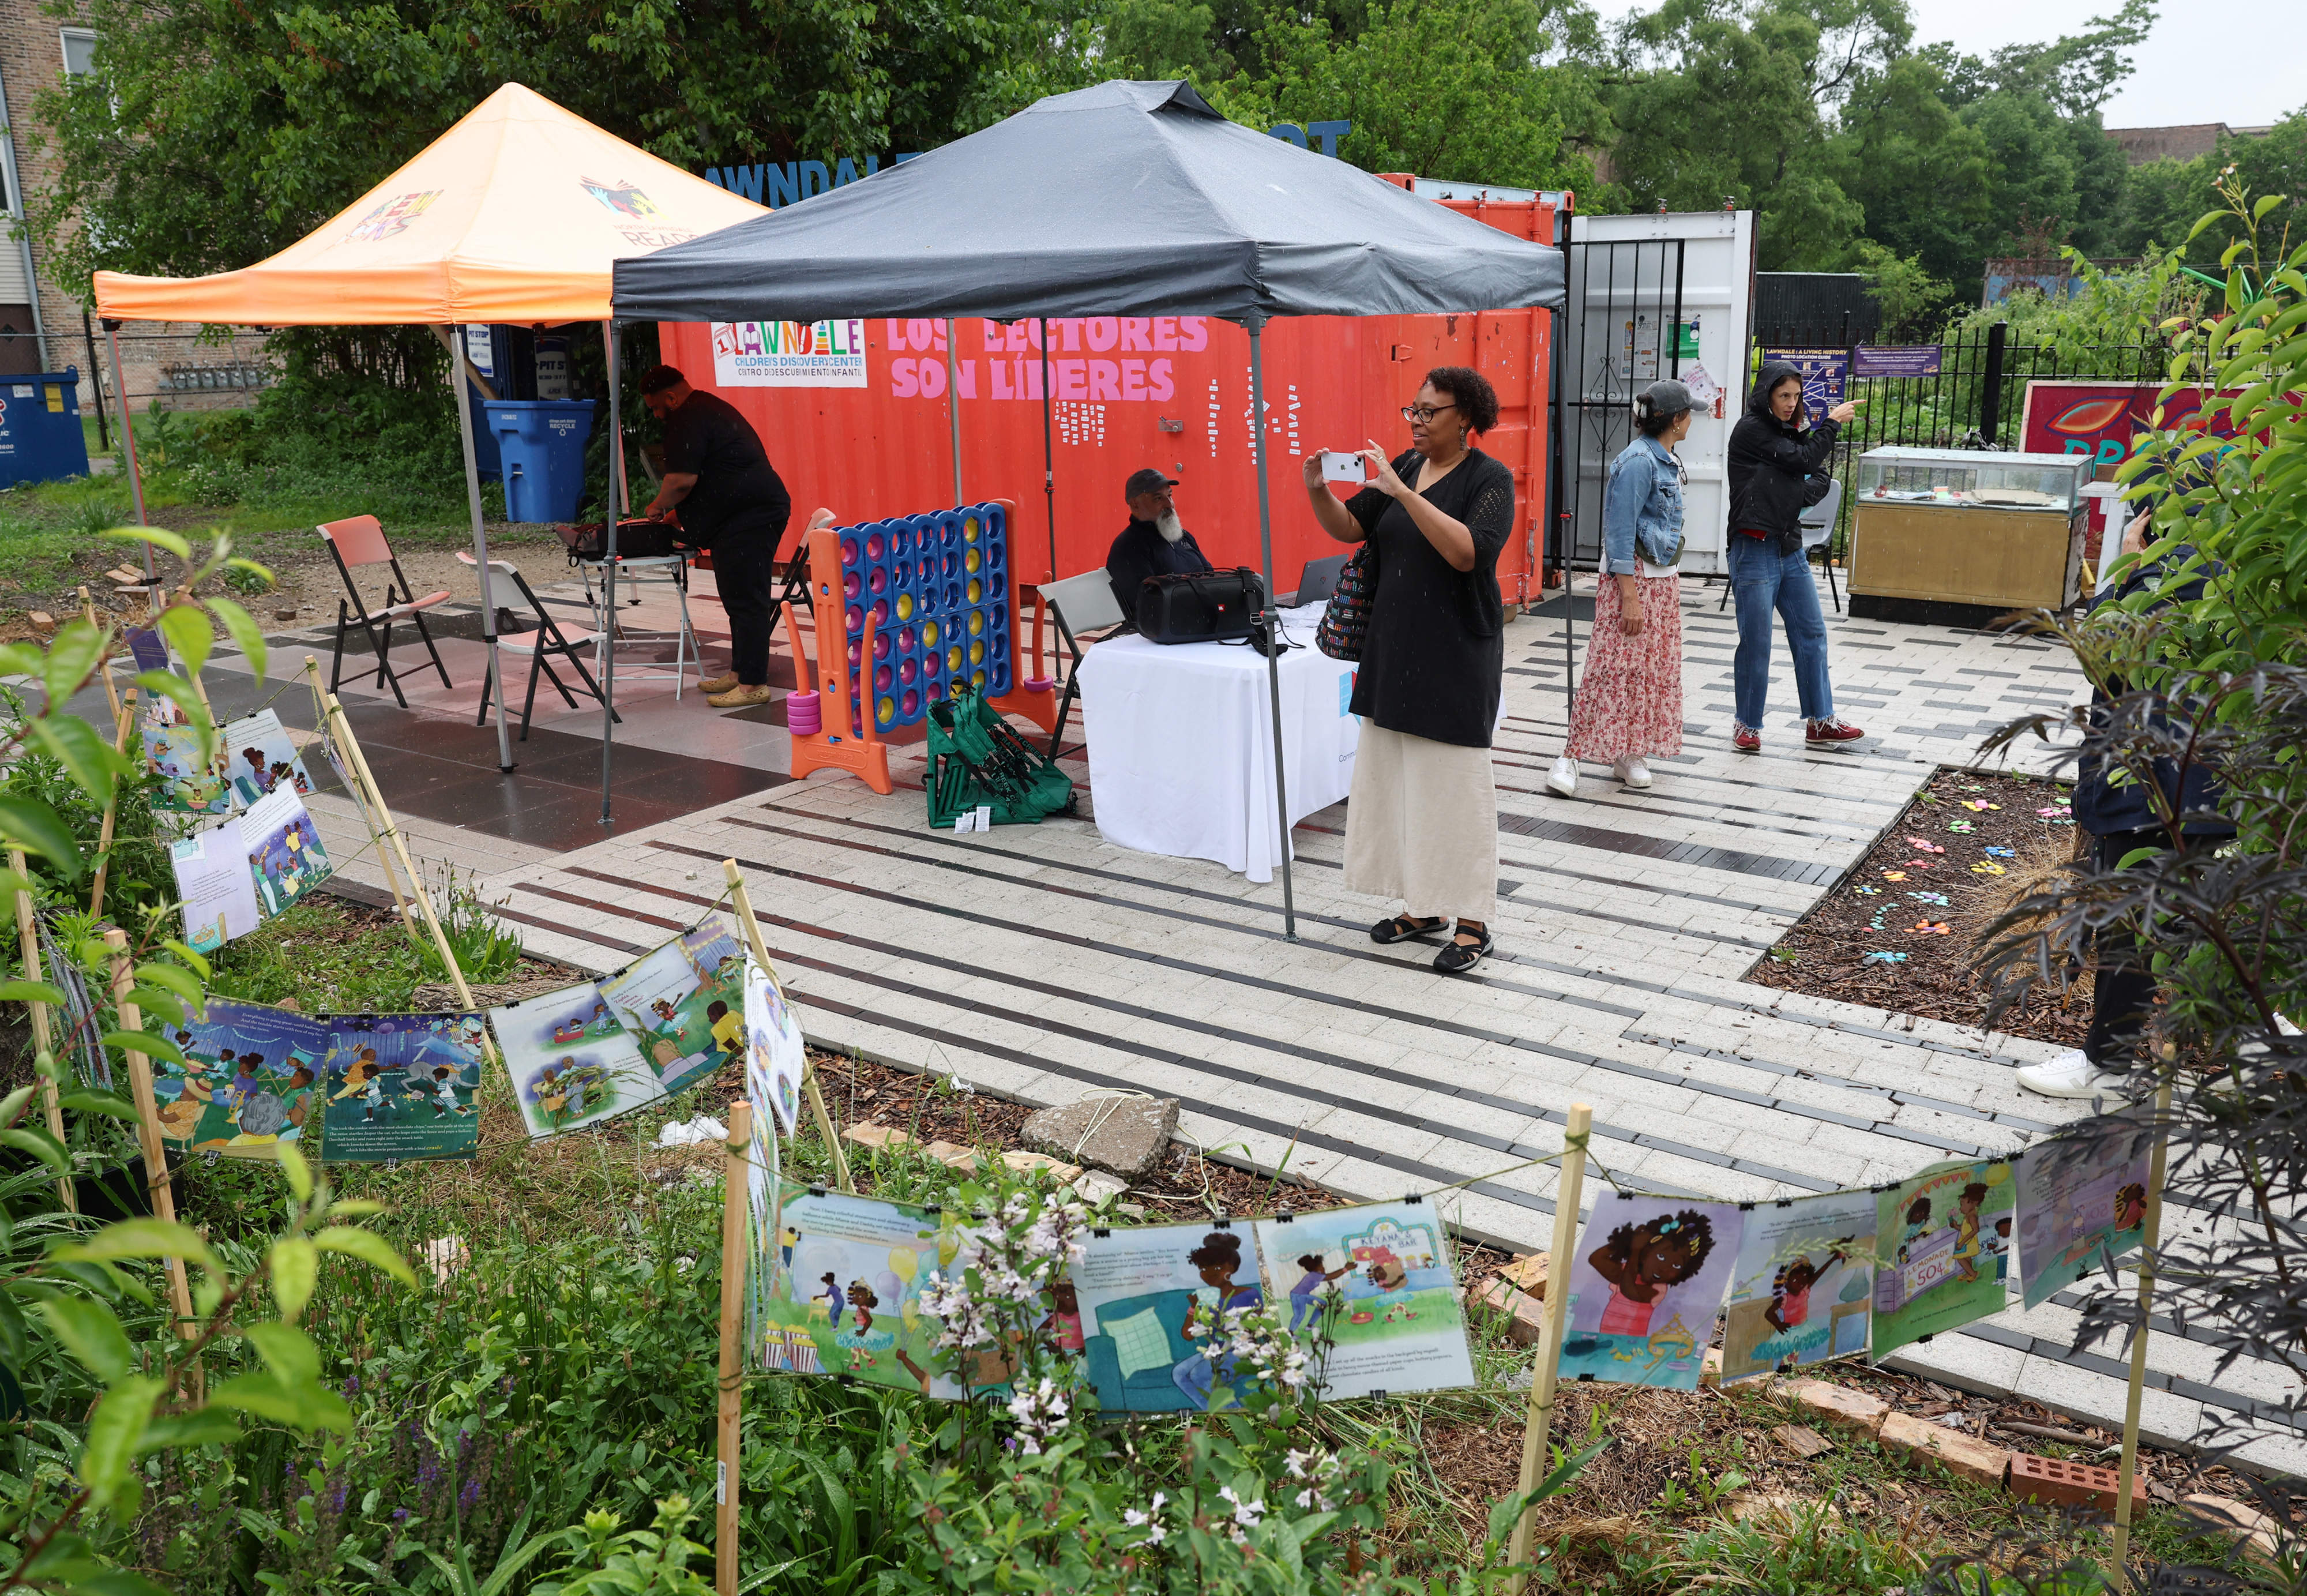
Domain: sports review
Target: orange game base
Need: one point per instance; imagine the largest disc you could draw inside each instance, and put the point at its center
(869, 761)
(1038, 706)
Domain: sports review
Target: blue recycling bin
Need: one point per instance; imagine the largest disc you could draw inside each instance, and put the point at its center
(541, 442)
(41, 440)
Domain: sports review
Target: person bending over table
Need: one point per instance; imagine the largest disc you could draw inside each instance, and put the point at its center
(1155, 543)
(730, 500)
(1421, 821)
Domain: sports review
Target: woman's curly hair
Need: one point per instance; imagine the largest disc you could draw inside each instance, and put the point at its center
(1471, 391)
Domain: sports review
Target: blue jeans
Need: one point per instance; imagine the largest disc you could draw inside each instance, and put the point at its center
(1760, 582)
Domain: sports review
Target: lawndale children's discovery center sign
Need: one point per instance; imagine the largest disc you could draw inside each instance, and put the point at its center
(1092, 359)
(770, 185)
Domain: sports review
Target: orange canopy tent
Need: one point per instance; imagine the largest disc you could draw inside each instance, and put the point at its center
(515, 214)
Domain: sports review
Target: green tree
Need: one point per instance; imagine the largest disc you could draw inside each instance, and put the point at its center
(1440, 87)
(211, 134)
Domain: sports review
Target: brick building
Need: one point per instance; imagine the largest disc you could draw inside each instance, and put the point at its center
(41, 317)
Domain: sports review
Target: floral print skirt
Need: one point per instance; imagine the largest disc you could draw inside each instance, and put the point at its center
(1630, 703)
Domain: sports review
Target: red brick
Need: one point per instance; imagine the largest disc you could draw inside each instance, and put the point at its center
(2064, 1484)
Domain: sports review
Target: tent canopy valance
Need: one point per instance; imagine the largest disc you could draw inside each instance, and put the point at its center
(1127, 198)
(515, 214)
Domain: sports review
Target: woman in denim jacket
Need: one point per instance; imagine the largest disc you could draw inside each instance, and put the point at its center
(1630, 705)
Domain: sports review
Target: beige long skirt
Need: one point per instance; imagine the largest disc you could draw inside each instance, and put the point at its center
(1422, 826)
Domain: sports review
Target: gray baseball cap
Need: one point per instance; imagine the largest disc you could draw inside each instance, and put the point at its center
(1668, 397)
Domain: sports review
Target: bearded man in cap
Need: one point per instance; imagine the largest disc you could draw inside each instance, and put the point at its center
(1155, 543)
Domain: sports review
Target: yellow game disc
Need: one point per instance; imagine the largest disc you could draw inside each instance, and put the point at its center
(953, 657)
(929, 634)
(905, 606)
(977, 653)
(976, 622)
(977, 679)
(888, 710)
(969, 561)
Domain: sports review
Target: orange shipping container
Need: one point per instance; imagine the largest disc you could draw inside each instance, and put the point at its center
(1171, 392)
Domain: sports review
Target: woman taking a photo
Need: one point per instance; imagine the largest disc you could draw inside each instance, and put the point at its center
(1773, 459)
(1631, 703)
(1421, 824)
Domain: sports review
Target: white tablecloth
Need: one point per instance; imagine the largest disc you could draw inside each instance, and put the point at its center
(1182, 744)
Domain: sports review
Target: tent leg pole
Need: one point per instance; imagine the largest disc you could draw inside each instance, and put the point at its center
(1266, 620)
(128, 442)
(1049, 454)
(619, 495)
(458, 378)
(953, 403)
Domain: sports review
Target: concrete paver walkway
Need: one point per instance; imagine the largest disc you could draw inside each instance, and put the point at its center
(1042, 962)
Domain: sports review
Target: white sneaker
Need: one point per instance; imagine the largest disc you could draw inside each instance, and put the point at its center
(1634, 772)
(2072, 1075)
(1564, 778)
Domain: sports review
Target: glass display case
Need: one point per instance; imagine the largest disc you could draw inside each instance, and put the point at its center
(1973, 479)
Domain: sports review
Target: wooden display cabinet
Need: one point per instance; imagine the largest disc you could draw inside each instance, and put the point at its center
(1959, 537)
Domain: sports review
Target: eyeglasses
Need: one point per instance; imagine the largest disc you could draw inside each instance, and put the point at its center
(1424, 412)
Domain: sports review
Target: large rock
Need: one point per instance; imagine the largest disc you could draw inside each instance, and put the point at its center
(1124, 1135)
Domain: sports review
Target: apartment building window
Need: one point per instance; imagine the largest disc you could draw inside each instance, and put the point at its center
(79, 51)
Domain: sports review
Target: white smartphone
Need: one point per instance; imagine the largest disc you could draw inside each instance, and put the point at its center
(1338, 465)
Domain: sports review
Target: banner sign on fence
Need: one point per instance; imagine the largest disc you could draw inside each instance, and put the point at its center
(1825, 374)
(1895, 360)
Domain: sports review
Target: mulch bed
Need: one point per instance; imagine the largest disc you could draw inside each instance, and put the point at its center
(1928, 909)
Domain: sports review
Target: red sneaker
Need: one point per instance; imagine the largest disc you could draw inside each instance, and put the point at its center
(1746, 740)
(1829, 733)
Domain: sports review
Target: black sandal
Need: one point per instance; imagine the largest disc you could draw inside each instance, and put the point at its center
(1459, 957)
(1402, 927)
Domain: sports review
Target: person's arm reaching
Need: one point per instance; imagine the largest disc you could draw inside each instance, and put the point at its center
(1449, 535)
(672, 489)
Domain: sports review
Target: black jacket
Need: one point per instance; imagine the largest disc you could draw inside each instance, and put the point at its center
(2102, 807)
(1141, 551)
(1777, 467)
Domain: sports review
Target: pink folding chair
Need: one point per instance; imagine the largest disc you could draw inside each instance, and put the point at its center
(357, 542)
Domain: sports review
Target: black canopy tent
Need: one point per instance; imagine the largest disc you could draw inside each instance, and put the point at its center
(1127, 198)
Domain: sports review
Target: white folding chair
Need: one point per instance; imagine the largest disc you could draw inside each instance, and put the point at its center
(1078, 604)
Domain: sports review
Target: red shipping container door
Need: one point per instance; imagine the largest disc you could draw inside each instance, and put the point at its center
(871, 438)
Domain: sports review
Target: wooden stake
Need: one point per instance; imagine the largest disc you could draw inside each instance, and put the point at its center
(147, 1127)
(368, 817)
(88, 613)
(736, 1213)
(743, 904)
(124, 716)
(1539, 1423)
(2148, 1236)
(334, 708)
(30, 937)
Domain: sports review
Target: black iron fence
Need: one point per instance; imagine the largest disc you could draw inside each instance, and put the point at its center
(1977, 398)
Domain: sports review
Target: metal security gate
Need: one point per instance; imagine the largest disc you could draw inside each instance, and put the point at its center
(1625, 295)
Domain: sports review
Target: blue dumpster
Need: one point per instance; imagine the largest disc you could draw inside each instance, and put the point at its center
(41, 440)
(541, 442)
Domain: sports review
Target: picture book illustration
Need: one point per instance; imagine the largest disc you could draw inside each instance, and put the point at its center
(684, 1002)
(247, 1082)
(260, 758)
(1376, 1283)
(1645, 1284)
(1144, 1304)
(845, 1296)
(770, 1239)
(216, 887)
(2082, 1204)
(284, 850)
(401, 1085)
(773, 1042)
(1803, 1287)
(1936, 1269)
(571, 1063)
(189, 785)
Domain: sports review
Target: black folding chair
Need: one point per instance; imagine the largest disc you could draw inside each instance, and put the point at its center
(358, 541)
(547, 639)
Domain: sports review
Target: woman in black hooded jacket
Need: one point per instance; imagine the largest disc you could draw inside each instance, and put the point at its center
(1773, 458)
